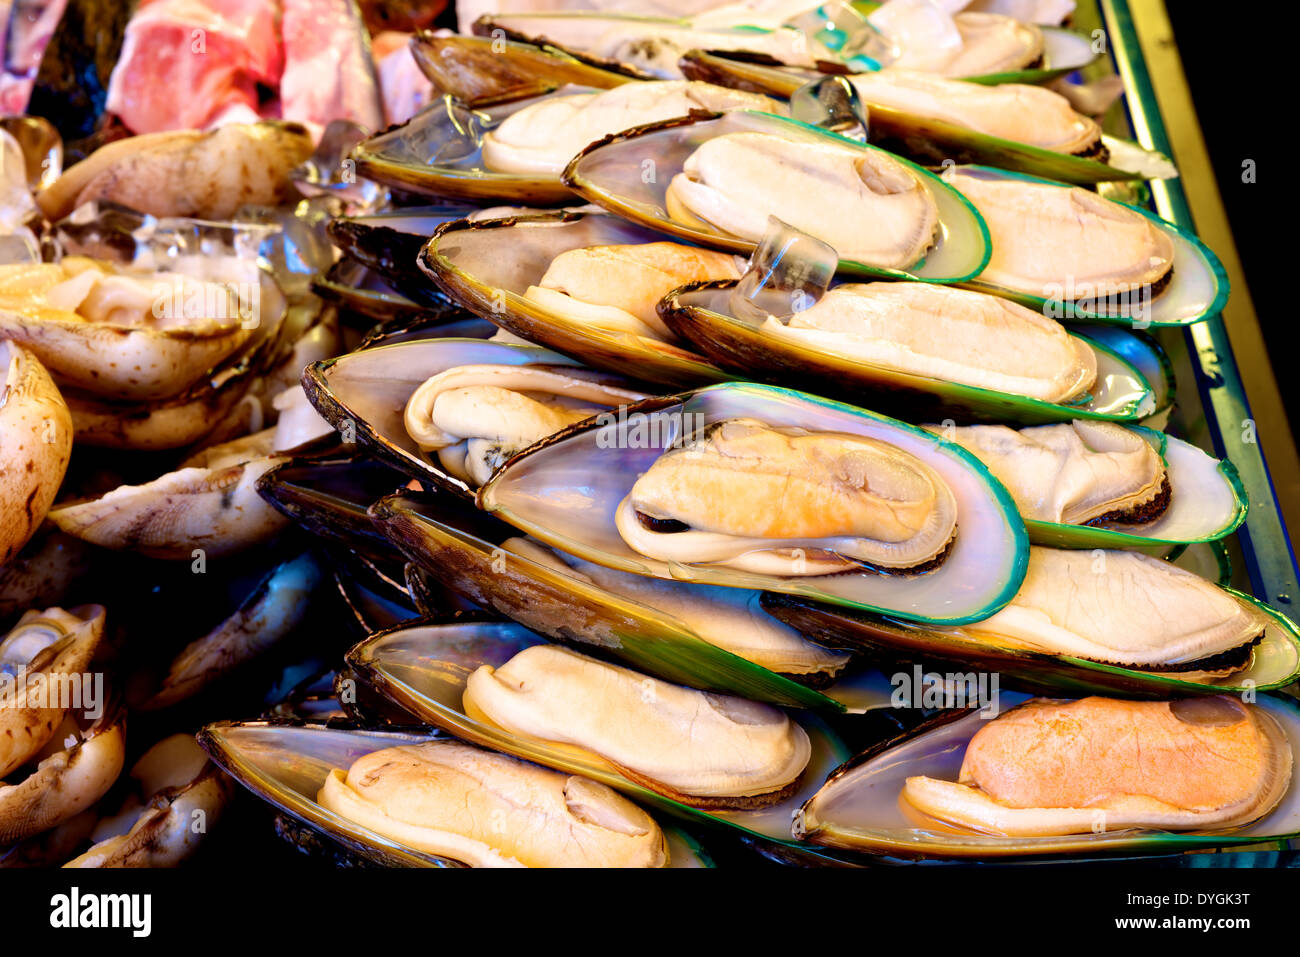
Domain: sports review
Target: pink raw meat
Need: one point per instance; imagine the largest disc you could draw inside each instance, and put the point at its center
(25, 32)
(328, 74)
(188, 64)
(405, 90)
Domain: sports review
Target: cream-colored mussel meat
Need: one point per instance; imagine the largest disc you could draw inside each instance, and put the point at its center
(1033, 115)
(869, 206)
(781, 501)
(954, 335)
(476, 416)
(490, 810)
(1128, 609)
(617, 287)
(730, 618)
(1053, 767)
(1073, 473)
(707, 750)
(541, 138)
(1065, 242)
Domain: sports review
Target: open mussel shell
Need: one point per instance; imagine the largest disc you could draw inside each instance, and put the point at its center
(464, 552)
(364, 394)
(565, 490)
(482, 71)
(932, 141)
(858, 807)
(1275, 662)
(702, 314)
(438, 152)
(611, 173)
(465, 260)
(1197, 289)
(389, 242)
(1208, 502)
(286, 766)
(424, 669)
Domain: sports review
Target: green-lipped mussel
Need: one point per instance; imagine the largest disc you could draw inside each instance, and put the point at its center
(931, 507)
(915, 349)
(717, 179)
(555, 289)
(365, 395)
(1101, 621)
(1214, 772)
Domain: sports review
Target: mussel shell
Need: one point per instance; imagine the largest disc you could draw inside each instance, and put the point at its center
(365, 393)
(329, 499)
(611, 173)
(359, 290)
(389, 243)
(564, 491)
(286, 765)
(462, 550)
(438, 153)
(424, 668)
(465, 260)
(1208, 502)
(929, 140)
(1276, 661)
(1140, 350)
(701, 314)
(483, 71)
(858, 809)
(1064, 51)
(1197, 289)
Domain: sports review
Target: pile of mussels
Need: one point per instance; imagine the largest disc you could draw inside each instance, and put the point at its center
(669, 447)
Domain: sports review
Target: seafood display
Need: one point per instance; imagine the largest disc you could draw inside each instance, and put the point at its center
(503, 436)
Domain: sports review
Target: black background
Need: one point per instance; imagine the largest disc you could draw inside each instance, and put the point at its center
(1241, 64)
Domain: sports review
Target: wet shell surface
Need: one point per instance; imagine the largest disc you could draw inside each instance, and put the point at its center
(1051, 767)
(491, 810)
(700, 748)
